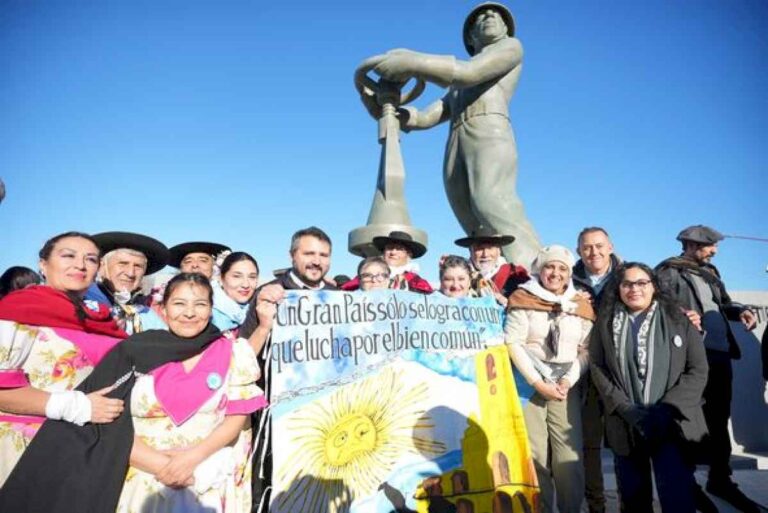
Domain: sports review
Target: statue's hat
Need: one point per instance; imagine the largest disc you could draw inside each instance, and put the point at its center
(506, 15)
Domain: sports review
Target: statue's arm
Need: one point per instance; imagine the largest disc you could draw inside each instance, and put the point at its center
(505, 56)
(413, 119)
(446, 70)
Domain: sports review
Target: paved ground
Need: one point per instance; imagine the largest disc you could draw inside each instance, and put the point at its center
(750, 472)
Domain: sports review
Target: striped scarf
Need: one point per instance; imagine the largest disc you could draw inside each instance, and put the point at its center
(643, 358)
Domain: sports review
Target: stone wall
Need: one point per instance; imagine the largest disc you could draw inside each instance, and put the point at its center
(749, 413)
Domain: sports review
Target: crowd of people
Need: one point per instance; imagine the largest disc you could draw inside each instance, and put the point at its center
(113, 399)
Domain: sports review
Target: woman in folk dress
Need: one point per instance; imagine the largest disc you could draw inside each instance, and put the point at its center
(50, 341)
(192, 450)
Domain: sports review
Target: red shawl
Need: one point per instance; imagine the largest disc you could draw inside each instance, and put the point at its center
(406, 281)
(41, 305)
(507, 271)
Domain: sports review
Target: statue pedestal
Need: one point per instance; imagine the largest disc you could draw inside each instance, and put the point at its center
(389, 212)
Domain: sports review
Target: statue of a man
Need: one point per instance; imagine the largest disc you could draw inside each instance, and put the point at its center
(480, 168)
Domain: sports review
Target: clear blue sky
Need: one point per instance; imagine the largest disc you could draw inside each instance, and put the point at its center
(238, 122)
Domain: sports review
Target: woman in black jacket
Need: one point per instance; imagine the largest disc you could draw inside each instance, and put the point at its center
(648, 363)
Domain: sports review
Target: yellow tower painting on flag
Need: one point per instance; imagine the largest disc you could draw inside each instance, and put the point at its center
(497, 473)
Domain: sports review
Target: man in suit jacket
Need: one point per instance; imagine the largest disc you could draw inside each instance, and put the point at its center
(310, 261)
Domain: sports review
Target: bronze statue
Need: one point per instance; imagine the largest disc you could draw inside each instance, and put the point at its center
(480, 167)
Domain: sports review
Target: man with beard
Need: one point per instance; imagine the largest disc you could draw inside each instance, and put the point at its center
(695, 283)
(126, 259)
(310, 261)
(188, 257)
(493, 275)
(196, 257)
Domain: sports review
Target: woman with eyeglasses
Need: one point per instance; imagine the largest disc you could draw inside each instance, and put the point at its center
(373, 273)
(648, 364)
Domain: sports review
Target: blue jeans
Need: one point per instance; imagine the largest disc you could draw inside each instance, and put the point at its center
(674, 478)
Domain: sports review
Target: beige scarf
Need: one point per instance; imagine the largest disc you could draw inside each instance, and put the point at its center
(522, 299)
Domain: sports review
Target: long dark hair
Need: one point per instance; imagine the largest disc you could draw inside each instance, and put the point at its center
(233, 258)
(47, 249)
(45, 254)
(613, 297)
(17, 278)
(190, 279)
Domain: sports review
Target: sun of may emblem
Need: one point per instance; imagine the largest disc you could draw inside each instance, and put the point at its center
(346, 444)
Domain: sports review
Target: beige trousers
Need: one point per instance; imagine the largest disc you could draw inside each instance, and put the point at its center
(554, 432)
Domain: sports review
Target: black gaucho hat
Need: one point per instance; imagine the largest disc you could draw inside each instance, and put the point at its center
(416, 248)
(469, 22)
(700, 234)
(179, 251)
(153, 249)
(484, 235)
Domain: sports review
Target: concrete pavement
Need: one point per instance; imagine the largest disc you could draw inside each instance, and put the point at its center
(750, 473)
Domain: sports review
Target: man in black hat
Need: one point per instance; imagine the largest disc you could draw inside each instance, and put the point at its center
(492, 273)
(695, 283)
(310, 261)
(480, 166)
(196, 257)
(399, 250)
(126, 259)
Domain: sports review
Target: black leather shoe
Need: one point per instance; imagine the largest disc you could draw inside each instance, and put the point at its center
(704, 503)
(730, 493)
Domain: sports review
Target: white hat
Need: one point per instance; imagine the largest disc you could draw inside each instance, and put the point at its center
(550, 254)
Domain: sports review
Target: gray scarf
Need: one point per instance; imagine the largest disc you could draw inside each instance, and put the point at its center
(644, 357)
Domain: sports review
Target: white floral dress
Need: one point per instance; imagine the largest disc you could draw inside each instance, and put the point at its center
(229, 489)
(44, 358)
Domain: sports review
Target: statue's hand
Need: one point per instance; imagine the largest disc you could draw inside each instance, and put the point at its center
(407, 116)
(399, 65)
(371, 105)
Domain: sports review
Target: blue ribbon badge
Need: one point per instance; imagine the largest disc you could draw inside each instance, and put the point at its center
(214, 381)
